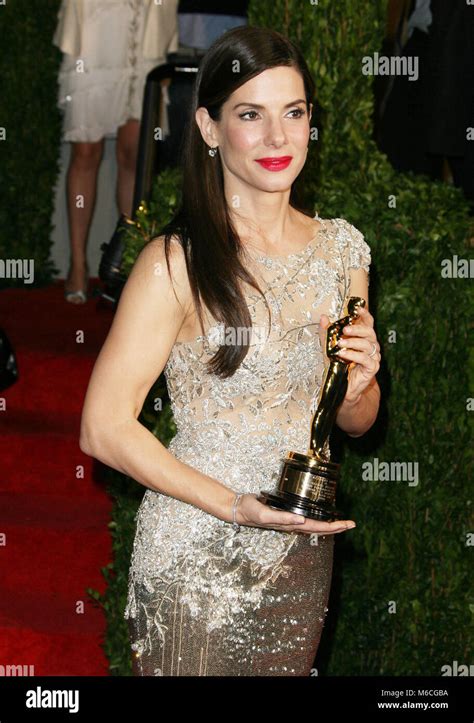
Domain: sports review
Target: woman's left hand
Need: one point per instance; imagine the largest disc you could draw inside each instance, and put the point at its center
(361, 349)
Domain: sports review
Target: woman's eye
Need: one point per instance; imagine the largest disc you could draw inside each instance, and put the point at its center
(299, 112)
(247, 112)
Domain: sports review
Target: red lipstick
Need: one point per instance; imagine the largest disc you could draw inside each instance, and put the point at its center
(275, 163)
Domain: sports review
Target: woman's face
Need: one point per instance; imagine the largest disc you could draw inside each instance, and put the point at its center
(266, 118)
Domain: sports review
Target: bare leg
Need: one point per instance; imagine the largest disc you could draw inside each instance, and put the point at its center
(126, 151)
(81, 193)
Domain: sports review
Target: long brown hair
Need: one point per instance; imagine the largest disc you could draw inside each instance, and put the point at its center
(202, 223)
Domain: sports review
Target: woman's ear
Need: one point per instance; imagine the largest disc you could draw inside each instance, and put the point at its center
(206, 126)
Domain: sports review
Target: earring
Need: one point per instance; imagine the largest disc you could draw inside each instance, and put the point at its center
(213, 151)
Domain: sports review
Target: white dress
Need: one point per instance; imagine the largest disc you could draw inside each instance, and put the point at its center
(103, 88)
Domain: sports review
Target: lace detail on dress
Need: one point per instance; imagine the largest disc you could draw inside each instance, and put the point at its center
(239, 430)
(359, 250)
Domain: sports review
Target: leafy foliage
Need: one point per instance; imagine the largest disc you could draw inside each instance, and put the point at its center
(150, 217)
(29, 65)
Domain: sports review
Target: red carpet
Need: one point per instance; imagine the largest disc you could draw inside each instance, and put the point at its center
(54, 538)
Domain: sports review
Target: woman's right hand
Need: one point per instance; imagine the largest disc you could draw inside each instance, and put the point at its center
(253, 513)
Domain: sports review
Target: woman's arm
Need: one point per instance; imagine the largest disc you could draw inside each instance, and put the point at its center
(145, 326)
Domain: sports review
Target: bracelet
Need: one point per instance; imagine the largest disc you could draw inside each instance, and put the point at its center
(235, 525)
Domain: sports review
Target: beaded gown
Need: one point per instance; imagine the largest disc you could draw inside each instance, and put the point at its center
(203, 599)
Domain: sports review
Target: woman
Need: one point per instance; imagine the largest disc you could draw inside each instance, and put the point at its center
(109, 48)
(221, 584)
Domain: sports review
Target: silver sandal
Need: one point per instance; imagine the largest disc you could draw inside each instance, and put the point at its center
(80, 295)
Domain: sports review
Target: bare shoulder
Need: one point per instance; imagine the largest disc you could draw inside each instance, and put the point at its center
(152, 265)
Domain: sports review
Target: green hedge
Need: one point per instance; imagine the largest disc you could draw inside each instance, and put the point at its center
(29, 161)
(410, 548)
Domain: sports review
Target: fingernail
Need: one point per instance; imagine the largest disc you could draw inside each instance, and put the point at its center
(351, 525)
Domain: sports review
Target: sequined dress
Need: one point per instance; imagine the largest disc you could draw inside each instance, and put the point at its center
(203, 599)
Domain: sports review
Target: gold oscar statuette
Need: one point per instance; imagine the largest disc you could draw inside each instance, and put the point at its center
(307, 484)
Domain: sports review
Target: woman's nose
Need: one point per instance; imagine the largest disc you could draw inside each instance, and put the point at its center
(275, 133)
